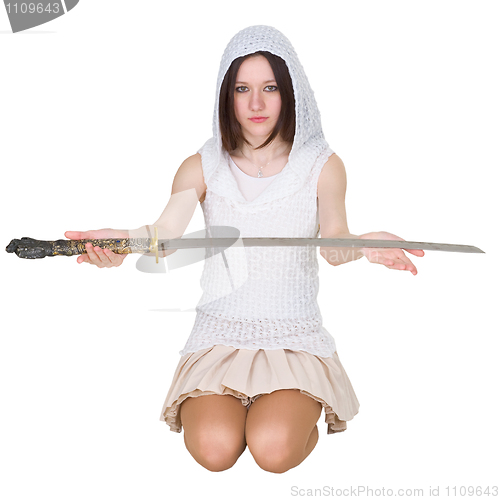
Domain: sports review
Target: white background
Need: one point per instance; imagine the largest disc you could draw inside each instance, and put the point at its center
(97, 111)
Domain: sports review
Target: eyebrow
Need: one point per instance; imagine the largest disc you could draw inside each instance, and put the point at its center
(267, 81)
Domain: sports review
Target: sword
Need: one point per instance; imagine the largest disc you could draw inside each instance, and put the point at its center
(29, 248)
(179, 243)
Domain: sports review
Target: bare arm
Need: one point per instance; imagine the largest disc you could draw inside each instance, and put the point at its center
(188, 189)
(332, 185)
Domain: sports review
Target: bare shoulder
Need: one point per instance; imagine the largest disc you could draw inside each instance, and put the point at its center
(190, 175)
(332, 177)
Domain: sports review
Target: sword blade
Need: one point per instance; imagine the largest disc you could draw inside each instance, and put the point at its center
(179, 243)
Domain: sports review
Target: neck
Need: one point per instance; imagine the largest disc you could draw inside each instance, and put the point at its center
(261, 157)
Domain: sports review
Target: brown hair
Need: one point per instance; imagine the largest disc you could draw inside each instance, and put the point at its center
(230, 129)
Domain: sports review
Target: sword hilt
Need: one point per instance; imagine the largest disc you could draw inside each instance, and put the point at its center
(29, 248)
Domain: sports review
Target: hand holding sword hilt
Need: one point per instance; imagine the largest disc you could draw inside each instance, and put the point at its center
(30, 248)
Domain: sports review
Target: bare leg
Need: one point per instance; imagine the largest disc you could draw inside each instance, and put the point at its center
(214, 430)
(281, 429)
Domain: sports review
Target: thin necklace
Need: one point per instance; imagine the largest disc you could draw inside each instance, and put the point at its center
(259, 173)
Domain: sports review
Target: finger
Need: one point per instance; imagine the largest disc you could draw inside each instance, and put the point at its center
(410, 266)
(404, 265)
(394, 259)
(115, 258)
(401, 266)
(83, 258)
(105, 260)
(80, 235)
(108, 258)
(418, 253)
(92, 255)
(73, 235)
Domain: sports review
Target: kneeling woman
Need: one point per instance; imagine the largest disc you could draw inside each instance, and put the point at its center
(258, 366)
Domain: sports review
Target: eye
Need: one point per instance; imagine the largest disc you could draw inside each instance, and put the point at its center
(242, 88)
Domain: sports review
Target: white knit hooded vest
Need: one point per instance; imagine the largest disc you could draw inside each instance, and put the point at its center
(264, 297)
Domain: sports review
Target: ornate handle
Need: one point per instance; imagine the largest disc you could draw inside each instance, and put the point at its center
(29, 248)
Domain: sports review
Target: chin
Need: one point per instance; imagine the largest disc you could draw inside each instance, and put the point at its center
(261, 133)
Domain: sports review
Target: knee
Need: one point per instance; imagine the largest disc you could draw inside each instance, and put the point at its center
(214, 452)
(275, 453)
(278, 463)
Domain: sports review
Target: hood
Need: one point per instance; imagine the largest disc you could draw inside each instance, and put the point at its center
(309, 142)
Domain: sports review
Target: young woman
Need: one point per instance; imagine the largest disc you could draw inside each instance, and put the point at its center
(258, 366)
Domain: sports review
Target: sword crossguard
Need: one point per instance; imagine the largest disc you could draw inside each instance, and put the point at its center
(153, 244)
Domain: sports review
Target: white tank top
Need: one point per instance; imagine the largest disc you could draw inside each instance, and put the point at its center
(262, 297)
(250, 187)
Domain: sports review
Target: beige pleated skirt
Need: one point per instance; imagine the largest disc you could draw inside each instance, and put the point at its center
(248, 374)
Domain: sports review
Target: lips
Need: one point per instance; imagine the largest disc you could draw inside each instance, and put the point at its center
(259, 119)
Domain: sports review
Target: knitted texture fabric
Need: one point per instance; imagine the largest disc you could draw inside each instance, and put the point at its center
(308, 142)
(264, 297)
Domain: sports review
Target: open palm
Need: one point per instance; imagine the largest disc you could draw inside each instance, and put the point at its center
(392, 258)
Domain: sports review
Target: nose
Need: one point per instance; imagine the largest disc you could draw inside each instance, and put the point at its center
(256, 101)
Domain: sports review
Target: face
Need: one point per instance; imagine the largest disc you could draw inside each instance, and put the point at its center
(256, 95)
